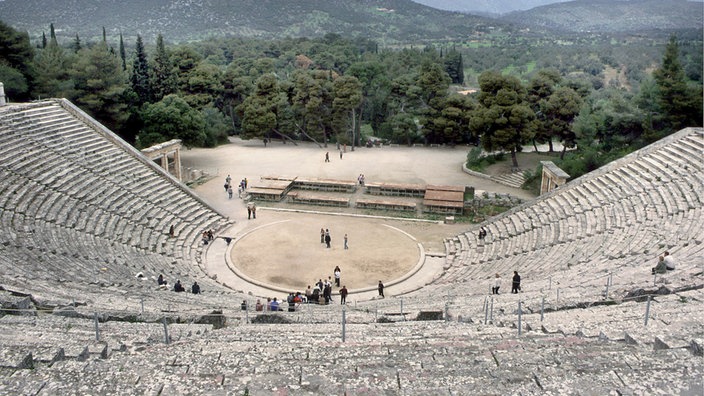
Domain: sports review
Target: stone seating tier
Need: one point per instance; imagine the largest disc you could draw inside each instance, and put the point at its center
(249, 359)
(607, 208)
(58, 197)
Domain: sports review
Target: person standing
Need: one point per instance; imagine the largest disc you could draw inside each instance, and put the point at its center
(380, 287)
(327, 238)
(229, 192)
(497, 284)
(516, 285)
(337, 273)
(327, 157)
(346, 247)
(343, 295)
(322, 235)
(327, 293)
(254, 211)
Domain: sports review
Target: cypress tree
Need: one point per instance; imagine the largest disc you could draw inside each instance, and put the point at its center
(163, 78)
(140, 73)
(76, 44)
(123, 55)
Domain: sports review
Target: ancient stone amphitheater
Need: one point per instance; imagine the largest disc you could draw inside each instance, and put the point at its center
(83, 213)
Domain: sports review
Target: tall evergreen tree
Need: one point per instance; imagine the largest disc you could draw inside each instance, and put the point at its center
(52, 32)
(504, 118)
(43, 40)
(100, 85)
(123, 54)
(140, 73)
(16, 66)
(76, 44)
(347, 92)
(163, 76)
(52, 67)
(681, 105)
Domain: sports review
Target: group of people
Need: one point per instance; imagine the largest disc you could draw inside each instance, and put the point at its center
(178, 287)
(251, 210)
(207, 236)
(360, 179)
(327, 239)
(665, 263)
(515, 283)
(242, 186)
(319, 293)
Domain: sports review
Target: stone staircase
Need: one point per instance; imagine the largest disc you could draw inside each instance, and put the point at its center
(514, 179)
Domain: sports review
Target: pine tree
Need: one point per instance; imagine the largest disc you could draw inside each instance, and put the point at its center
(140, 73)
(52, 33)
(43, 40)
(100, 85)
(681, 105)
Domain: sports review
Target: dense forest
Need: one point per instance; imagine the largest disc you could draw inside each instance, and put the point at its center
(605, 94)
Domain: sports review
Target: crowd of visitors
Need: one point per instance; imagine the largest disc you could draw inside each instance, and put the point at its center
(318, 293)
(178, 286)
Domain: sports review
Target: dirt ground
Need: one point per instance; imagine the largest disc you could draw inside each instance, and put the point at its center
(282, 246)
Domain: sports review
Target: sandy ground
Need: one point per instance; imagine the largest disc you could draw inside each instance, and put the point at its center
(282, 248)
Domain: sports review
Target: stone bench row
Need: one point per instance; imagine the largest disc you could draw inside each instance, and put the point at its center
(31, 198)
(419, 365)
(522, 235)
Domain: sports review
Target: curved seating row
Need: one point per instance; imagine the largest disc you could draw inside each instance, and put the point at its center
(622, 215)
(81, 206)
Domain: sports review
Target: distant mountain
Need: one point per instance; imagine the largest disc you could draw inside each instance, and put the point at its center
(494, 7)
(387, 21)
(613, 15)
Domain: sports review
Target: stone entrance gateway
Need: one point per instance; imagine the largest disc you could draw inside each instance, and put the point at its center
(162, 150)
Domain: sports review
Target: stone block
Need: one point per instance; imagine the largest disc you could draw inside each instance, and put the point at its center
(629, 340)
(659, 344)
(430, 315)
(16, 359)
(696, 347)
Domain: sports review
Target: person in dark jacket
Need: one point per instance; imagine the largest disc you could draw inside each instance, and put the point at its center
(516, 286)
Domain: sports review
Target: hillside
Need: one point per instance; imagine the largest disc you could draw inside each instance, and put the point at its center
(494, 7)
(612, 16)
(388, 21)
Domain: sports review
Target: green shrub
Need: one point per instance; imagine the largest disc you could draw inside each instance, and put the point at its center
(478, 162)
